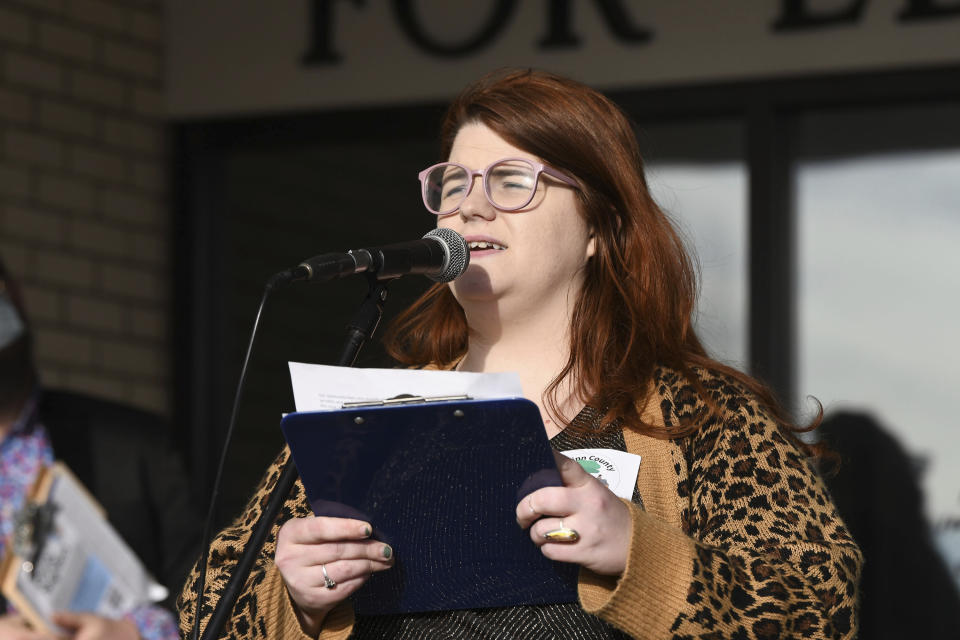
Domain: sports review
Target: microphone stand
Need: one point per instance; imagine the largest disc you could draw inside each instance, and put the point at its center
(361, 327)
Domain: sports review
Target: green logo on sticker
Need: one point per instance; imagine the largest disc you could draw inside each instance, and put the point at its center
(590, 466)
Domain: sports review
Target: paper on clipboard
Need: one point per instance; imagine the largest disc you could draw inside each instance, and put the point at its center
(83, 564)
(318, 387)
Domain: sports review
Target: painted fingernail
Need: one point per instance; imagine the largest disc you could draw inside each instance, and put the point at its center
(387, 551)
(367, 530)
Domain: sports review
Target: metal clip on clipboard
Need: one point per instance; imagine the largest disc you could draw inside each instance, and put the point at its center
(32, 525)
(402, 399)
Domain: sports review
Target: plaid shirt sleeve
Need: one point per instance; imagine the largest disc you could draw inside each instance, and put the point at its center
(154, 623)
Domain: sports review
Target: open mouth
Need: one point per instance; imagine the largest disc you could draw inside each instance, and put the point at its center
(480, 245)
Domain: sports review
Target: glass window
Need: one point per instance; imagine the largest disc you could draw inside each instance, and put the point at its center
(879, 294)
(707, 202)
(696, 174)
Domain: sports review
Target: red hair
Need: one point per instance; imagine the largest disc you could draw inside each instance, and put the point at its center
(635, 308)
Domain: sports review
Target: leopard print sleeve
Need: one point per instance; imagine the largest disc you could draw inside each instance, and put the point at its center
(249, 618)
(760, 552)
(773, 559)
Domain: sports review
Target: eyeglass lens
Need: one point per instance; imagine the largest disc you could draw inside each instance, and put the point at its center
(509, 185)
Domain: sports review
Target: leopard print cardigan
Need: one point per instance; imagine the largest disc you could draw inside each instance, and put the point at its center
(739, 537)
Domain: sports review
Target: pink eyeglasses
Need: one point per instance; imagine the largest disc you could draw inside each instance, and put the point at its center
(509, 184)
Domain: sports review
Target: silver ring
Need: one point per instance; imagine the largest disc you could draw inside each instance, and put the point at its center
(327, 580)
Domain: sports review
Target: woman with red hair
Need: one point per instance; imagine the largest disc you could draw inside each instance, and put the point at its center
(579, 283)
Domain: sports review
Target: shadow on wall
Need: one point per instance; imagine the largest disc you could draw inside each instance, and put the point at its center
(906, 590)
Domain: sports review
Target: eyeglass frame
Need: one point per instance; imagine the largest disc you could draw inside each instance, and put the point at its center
(539, 168)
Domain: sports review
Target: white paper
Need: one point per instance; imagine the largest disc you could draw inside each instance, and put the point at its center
(84, 564)
(318, 387)
(618, 470)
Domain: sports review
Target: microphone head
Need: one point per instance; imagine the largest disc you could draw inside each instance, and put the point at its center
(458, 253)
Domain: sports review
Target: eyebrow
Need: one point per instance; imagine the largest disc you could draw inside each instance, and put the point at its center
(447, 178)
(509, 171)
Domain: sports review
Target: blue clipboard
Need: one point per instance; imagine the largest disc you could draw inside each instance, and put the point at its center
(439, 482)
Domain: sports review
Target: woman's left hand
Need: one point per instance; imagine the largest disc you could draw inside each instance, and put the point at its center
(600, 518)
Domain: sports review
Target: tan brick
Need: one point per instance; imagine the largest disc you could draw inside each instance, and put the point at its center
(152, 397)
(41, 303)
(15, 106)
(147, 323)
(67, 118)
(98, 89)
(13, 254)
(96, 163)
(14, 181)
(133, 283)
(133, 135)
(32, 224)
(33, 149)
(147, 26)
(148, 102)
(55, 267)
(49, 6)
(135, 61)
(28, 70)
(98, 385)
(55, 345)
(105, 15)
(149, 176)
(132, 358)
(51, 374)
(150, 248)
(69, 193)
(14, 26)
(130, 207)
(98, 238)
(67, 41)
(93, 313)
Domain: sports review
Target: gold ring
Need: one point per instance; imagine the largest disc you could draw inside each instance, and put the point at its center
(562, 534)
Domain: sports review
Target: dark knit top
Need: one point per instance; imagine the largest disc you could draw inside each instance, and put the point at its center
(737, 537)
(567, 620)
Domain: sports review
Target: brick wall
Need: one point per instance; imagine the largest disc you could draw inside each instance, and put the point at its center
(83, 190)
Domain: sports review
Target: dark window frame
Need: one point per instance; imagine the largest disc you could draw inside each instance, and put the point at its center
(767, 107)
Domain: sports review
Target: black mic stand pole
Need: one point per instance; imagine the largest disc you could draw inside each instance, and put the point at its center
(362, 326)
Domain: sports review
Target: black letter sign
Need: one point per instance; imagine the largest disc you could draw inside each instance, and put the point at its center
(411, 26)
(321, 26)
(796, 16)
(560, 34)
(926, 9)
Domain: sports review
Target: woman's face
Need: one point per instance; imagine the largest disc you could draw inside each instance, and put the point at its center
(533, 257)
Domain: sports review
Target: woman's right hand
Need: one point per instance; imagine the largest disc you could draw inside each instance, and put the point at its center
(306, 545)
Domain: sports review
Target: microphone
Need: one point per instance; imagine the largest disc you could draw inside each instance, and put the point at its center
(441, 255)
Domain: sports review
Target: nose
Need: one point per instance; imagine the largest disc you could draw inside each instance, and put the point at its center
(476, 205)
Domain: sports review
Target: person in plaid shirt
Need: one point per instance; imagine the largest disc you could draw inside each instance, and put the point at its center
(120, 455)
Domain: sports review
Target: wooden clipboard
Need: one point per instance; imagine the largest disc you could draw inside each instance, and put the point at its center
(87, 518)
(15, 565)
